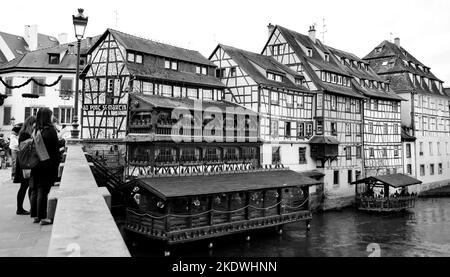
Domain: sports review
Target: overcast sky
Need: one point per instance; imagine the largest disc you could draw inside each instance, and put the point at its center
(355, 26)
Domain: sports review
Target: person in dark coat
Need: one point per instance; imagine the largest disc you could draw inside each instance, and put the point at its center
(24, 134)
(45, 173)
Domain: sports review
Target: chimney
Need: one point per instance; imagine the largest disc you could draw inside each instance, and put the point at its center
(397, 42)
(270, 27)
(62, 38)
(312, 33)
(31, 36)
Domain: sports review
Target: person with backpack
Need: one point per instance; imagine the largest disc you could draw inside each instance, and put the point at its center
(45, 173)
(22, 176)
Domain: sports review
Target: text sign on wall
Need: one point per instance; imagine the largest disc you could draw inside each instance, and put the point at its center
(100, 108)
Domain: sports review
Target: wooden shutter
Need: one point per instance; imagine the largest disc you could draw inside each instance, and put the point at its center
(41, 88)
(56, 113)
(8, 81)
(6, 115)
(27, 112)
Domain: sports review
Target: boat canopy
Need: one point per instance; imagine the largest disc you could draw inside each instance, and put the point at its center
(184, 186)
(393, 180)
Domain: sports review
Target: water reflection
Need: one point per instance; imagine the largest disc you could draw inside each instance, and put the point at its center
(424, 231)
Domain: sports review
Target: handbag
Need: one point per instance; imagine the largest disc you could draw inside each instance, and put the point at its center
(41, 150)
(27, 156)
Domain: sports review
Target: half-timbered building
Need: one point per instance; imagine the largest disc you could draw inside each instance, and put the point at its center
(382, 144)
(336, 145)
(120, 64)
(193, 168)
(424, 116)
(278, 95)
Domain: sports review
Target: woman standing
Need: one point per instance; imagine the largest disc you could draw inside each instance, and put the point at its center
(45, 173)
(24, 180)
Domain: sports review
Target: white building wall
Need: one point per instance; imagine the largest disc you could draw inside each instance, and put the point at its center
(18, 103)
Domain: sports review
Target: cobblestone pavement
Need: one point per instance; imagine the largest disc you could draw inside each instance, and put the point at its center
(19, 237)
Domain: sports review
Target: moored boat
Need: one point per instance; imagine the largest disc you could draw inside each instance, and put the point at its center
(373, 193)
(189, 208)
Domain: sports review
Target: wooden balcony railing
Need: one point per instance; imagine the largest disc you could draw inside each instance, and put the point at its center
(386, 204)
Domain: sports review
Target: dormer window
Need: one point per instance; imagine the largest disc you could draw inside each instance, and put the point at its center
(367, 67)
(385, 63)
(309, 52)
(134, 57)
(171, 64)
(53, 58)
(298, 81)
(201, 70)
(378, 49)
(327, 57)
(274, 77)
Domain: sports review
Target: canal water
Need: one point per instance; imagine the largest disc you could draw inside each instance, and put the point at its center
(421, 232)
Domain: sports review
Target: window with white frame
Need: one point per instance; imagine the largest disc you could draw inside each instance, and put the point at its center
(65, 115)
(171, 64)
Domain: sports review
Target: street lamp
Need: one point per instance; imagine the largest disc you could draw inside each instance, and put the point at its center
(79, 22)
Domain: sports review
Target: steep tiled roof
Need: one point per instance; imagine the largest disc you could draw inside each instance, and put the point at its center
(19, 46)
(246, 61)
(39, 59)
(150, 70)
(294, 40)
(147, 46)
(395, 56)
(388, 60)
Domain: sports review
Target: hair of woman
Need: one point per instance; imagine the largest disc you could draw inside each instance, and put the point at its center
(27, 126)
(43, 118)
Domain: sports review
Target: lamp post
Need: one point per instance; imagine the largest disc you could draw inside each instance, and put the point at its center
(79, 22)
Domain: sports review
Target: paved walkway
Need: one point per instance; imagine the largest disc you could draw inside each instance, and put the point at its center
(19, 237)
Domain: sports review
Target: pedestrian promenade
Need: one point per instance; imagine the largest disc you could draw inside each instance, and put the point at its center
(19, 237)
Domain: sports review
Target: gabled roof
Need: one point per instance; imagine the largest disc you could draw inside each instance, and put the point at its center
(38, 59)
(294, 40)
(19, 46)
(247, 60)
(150, 70)
(395, 56)
(134, 43)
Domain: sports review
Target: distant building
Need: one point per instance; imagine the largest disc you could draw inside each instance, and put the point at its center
(45, 66)
(425, 115)
(14, 46)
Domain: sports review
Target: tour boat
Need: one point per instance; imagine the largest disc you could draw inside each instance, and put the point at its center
(366, 200)
(189, 208)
